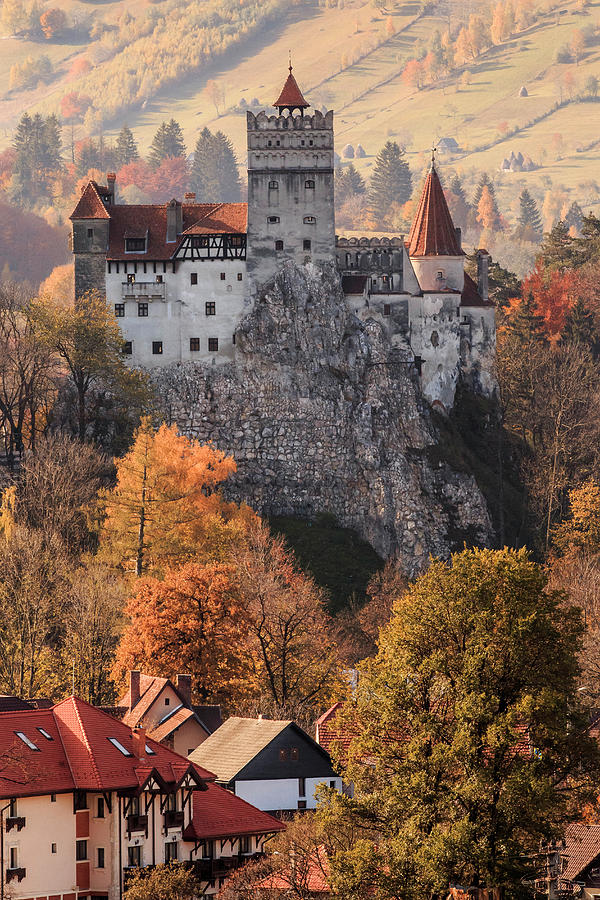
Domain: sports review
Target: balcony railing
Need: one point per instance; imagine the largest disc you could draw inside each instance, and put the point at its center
(134, 290)
(17, 822)
(137, 823)
(173, 818)
(11, 874)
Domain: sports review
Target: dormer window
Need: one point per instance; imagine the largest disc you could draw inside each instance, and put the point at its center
(199, 241)
(135, 245)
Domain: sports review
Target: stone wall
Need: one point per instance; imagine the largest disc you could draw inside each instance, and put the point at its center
(322, 414)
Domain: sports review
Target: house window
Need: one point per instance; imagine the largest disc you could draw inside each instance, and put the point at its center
(194, 344)
(283, 754)
(387, 309)
(440, 275)
(273, 220)
(332, 784)
(301, 804)
(90, 233)
(199, 241)
(306, 245)
(273, 185)
(170, 851)
(135, 245)
(246, 844)
(100, 808)
(131, 278)
(100, 858)
(193, 278)
(157, 348)
(309, 185)
(208, 849)
(310, 220)
(213, 344)
(119, 310)
(143, 310)
(222, 276)
(134, 806)
(127, 348)
(210, 308)
(167, 701)
(294, 754)
(12, 809)
(302, 787)
(134, 856)
(81, 850)
(53, 848)
(14, 858)
(279, 245)
(80, 800)
(171, 803)
(239, 276)
(159, 279)
(52, 798)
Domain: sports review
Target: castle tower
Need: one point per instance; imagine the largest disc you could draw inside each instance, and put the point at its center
(290, 186)
(91, 221)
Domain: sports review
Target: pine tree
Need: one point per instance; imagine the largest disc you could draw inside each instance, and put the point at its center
(215, 175)
(530, 219)
(458, 190)
(580, 327)
(484, 181)
(228, 176)
(527, 326)
(349, 183)
(559, 249)
(574, 216)
(87, 157)
(391, 182)
(167, 143)
(126, 149)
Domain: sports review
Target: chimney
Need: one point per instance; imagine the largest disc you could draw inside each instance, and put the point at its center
(134, 687)
(110, 182)
(139, 742)
(483, 259)
(174, 221)
(184, 687)
(458, 233)
(190, 196)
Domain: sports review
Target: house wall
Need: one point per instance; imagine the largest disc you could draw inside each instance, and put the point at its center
(165, 703)
(277, 761)
(189, 736)
(283, 793)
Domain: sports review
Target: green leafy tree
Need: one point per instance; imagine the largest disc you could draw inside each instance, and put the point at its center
(169, 881)
(530, 219)
(477, 745)
(391, 182)
(126, 149)
(167, 143)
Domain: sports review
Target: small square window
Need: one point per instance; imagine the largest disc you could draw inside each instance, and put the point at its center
(127, 348)
(194, 344)
(143, 310)
(53, 848)
(167, 701)
(387, 309)
(213, 344)
(210, 308)
(306, 245)
(81, 850)
(301, 804)
(279, 245)
(119, 310)
(193, 278)
(222, 276)
(100, 857)
(273, 220)
(239, 276)
(157, 347)
(332, 784)
(159, 279)
(90, 233)
(131, 278)
(273, 185)
(52, 798)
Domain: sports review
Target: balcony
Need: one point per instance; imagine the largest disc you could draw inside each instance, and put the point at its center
(173, 819)
(137, 823)
(11, 874)
(17, 822)
(209, 869)
(143, 290)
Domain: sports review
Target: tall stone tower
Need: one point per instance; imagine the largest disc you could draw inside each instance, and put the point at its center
(91, 223)
(290, 186)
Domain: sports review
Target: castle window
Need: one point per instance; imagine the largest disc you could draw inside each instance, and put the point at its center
(273, 185)
(310, 143)
(310, 220)
(306, 245)
(159, 279)
(272, 220)
(131, 278)
(194, 344)
(213, 344)
(127, 348)
(135, 245)
(143, 310)
(119, 310)
(279, 245)
(387, 309)
(222, 276)
(239, 276)
(269, 143)
(90, 233)
(193, 278)
(210, 309)
(157, 348)
(309, 185)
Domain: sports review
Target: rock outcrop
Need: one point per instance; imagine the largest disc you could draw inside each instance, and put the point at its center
(323, 414)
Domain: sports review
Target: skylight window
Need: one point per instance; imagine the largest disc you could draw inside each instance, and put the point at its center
(26, 740)
(120, 747)
(150, 751)
(45, 734)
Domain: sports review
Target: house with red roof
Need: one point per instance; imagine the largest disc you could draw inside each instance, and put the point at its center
(165, 710)
(85, 800)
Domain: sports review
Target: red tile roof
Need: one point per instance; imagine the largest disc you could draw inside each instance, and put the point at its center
(150, 689)
(471, 296)
(583, 846)
(179, 717)
(79, 754)
(332, 733)
(311, 876)
(219, 813)
(291, 95)
(90, 205)
(432, 233)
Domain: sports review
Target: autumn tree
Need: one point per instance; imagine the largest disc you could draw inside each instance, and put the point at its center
(487, 211)
(53, 22)
(59, 286)
(215, 93)
(165, 506)
(461, 765)
(193, 619)
(166, 881)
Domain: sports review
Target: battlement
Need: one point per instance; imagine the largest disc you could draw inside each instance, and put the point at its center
(316, 122)
(395, 242)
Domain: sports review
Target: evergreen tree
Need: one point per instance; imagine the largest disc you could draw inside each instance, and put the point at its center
(580, 327)
(228, 176)
(87, 157)
(559, 250)
(529, 214)
(126, 149)
(391, 182)
(458, 190)
(37, 144)
(52, 152)
(574, 216)
(168, 143)
(527, 326)
(349, 183)
(484, 181)
(215, 175)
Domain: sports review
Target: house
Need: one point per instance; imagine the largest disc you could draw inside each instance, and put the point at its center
(274, 765)
(85, 800)
(166, 711)
(571, 867)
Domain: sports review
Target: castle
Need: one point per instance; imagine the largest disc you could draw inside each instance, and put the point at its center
(181, 276)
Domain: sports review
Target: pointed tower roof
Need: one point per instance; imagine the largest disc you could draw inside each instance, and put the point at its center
(432, 233)
(291, 96)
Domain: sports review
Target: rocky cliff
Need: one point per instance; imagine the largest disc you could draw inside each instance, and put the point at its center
(322, 414)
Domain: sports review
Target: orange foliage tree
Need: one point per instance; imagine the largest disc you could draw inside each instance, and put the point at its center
(53, 22)
(413, 73)
(193, 621)
(165, 507)
(552, 293)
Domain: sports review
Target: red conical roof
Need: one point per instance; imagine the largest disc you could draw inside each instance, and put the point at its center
(432, 233)
(291, 95)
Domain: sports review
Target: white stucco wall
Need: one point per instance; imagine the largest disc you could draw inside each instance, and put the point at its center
(281, 793)
(435, 337)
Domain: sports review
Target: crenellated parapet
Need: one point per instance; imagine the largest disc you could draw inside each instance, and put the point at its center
(315, 122)
(366, 242)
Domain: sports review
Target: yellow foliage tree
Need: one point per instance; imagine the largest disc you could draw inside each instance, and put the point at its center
(59, 286)
(581, 530)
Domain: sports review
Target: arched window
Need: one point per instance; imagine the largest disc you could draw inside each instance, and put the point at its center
(309, 220)
(273, 185)
(310, 185)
